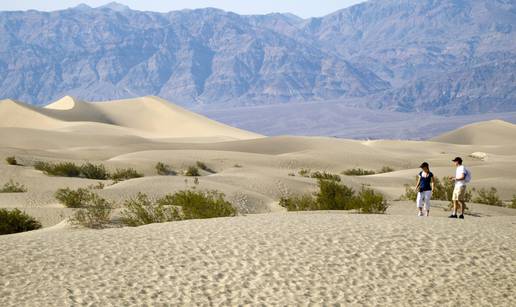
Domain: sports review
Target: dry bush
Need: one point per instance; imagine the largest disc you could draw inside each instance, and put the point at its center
(358, 172)
(13, 187)
(11, 160)
(14, 221)
(192, 171)
(488, 197)
(122, 174)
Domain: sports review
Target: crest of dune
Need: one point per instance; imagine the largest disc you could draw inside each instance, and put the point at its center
(151, 117)
(494, 132)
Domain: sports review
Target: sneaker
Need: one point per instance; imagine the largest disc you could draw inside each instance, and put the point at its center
(453, 216)
(420, 213)
(461, 216)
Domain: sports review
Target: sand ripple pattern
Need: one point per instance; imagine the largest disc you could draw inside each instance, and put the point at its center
(275, 259)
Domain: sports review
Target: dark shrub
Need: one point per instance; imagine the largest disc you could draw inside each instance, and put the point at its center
(199, 204)
(204, 167)
(125, 174)
(325, 176)
(488, 197)
(11, 161)
(13, 187)
(182, 205)
(386, 169)
(299, 203)
(92, 171)
(358, 172)
(304, 173)
(164, 170)
(13, 221)
(63, 169)
(74, 198)
(94, 213)
(513, 202)
(370, 202)
(334, 196)
(142, 211)
(192, 171)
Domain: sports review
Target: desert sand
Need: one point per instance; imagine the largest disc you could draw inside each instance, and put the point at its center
(265, 255)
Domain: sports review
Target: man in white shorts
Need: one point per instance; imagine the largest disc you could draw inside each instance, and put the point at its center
(459, 192)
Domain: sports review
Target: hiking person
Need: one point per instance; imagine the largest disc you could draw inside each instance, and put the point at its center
(462, 177)
(424, 185)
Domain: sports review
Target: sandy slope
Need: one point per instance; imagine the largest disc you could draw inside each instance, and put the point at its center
(274, 258)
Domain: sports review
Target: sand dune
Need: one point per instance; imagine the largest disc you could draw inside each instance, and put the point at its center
(274, 258)
(494, 132)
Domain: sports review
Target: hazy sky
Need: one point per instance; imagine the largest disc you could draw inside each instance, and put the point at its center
(303, 8)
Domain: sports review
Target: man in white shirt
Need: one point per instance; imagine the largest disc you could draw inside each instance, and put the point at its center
(459, 192)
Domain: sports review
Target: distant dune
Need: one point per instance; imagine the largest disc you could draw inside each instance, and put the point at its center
(494, 132)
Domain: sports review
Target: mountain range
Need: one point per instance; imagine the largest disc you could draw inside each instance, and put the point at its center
(440, 56)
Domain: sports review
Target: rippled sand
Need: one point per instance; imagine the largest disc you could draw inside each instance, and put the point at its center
(271, 259)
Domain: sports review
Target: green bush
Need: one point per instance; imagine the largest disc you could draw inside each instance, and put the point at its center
(13, 187)
(94, 213)
(192, 171)
(142, 211)
(386, 169)
(92, 171)
(14, 221)
(204, 167)
(11, 160)
(74, 198)
(512, 205)
(299, 203)
(125, 174)
(304, 172)
(443, 190)
(63, 169)
(488, 197)
(199, 204)
(370, 202)
(164, 170)
(358, 172)
(334, 196)
(325, 176)
(182, 205)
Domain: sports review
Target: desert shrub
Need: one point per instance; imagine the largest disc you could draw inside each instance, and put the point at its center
(183, 205)
(334, 196)
(199, 204)
(192, 171)
(443, 190)
(386, 169)
(291, 175)
(13, 187)
(164, 170)
(299, 203)
(74, 198)
(237, 165)
(325, 176)
(93, 171)
(204, 167)
(14, 221)
(512, 204)
(488, 197)
(94, 213)
(304, 172)
(370, 202)
(140, 210)
(99, 186)
(125, 174)
(63, 169)
(410, 193)
(358, 172)
(11, 160)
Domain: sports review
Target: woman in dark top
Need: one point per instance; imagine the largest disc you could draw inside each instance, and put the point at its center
(424, 186)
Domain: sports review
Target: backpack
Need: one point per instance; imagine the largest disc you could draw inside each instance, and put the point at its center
(467, 175)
